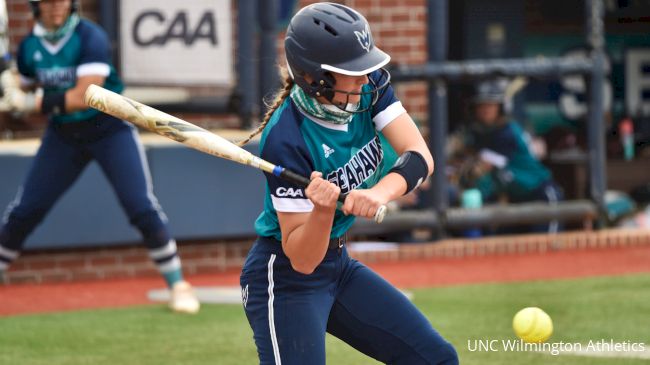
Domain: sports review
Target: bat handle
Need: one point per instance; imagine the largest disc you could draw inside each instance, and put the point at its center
(303, 181)
(291, 176)
(379, 214)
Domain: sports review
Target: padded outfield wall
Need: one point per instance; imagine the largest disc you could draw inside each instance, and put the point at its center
(203, 197)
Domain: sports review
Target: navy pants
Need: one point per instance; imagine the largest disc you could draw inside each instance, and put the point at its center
(64, 153)
(290, 312)
(547, 192)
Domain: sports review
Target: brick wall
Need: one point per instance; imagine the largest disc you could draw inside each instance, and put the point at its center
(214, 257)
(399, 28)
(121, 262)
(20, 21)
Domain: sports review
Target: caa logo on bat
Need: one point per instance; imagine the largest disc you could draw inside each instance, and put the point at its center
(289, 192)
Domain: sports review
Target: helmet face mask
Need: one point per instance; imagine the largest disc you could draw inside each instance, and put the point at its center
(374, 92)
(325, 39)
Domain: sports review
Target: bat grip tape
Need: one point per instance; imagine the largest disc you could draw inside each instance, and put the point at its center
(290, 176)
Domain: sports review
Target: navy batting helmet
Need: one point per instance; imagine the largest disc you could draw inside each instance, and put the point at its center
(74, 6)
(326, 38)
(491, 91)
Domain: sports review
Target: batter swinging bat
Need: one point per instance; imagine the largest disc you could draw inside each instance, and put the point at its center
(189, 134)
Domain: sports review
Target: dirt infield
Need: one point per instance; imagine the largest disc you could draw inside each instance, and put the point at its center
(569, 263)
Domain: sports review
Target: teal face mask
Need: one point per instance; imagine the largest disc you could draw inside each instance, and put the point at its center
(58, 34)
(311, 106)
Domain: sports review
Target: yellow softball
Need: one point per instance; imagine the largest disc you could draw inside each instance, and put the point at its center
(532, 325)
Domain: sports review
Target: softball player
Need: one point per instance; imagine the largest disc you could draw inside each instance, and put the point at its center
(298, 281)
(63, 55)
(507, 166)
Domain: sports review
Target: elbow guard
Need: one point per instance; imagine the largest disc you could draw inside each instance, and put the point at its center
(413, 168)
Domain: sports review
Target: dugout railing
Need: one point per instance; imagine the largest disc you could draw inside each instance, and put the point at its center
(581, 212)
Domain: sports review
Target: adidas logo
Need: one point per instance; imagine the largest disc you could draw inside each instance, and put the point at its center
(327, 150)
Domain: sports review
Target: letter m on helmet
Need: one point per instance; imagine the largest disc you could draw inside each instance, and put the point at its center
(364, 38)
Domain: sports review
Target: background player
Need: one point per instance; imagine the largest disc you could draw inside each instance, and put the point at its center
(298, 281)
(501, 164)
(63, 55)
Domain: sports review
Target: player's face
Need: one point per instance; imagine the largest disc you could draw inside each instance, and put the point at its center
(487, 113)
(348, 84)
(54, 13)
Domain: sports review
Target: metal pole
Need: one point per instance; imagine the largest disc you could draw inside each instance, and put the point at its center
(108, 16)
(269, 80)
(245, 60)
(489, 215)
(437, 48)
(596, 122)
(547, 67)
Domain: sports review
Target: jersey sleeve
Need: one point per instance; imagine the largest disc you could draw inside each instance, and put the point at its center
(508, 140)
(95, 56)
(387, 107)
(285, 147)
(25, 67)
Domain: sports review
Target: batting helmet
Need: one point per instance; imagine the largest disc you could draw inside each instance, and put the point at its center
(491, 91)
(326, 38)
(74, 6)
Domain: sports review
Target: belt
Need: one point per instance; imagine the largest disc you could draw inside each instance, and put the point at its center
(337, 242)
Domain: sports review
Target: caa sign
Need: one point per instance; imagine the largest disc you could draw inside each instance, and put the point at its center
(171, 42)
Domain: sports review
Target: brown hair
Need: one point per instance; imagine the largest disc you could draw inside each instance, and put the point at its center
(280, 96)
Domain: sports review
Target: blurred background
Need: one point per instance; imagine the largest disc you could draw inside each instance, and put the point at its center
(575, 80)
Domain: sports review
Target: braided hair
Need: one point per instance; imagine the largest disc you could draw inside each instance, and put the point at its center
(280, 96)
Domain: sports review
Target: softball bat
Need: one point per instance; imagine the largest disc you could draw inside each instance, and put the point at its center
(189, 134)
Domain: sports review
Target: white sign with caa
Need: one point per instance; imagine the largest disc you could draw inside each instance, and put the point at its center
(174, 42)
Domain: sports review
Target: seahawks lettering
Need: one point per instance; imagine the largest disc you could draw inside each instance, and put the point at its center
(57, 77)
(360, 167)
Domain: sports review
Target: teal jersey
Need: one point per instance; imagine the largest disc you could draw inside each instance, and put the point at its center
(522, 174)
(350, 156)
(55, 67)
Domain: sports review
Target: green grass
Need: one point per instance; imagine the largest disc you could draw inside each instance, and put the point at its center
(588, 309)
